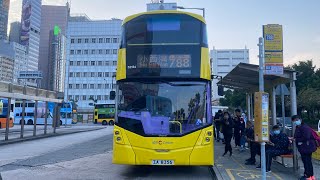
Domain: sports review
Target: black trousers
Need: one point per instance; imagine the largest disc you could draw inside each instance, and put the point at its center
(307, 163)
(254, 150)
(227, 140)
(217, 131)
(237, 137)
(270, 153)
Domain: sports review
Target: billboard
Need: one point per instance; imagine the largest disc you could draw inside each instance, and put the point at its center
(273, 47)
(25, 22)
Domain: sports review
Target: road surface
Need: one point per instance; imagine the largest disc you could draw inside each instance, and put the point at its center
(85, 155)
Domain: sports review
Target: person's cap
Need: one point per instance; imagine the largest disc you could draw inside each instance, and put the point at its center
(294, 117)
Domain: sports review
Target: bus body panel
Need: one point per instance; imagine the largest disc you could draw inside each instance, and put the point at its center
(205, 64)
(191, 149)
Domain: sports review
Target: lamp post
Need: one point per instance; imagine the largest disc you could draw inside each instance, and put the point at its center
(202, 9)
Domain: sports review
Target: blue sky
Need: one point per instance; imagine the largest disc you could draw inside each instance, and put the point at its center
(231, 23)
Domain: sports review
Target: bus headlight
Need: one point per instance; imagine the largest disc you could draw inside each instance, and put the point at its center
(118, 138)
(209, 133)
(116, 132)
(208, 139)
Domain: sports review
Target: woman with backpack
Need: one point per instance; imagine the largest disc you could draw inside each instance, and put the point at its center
(306, 145)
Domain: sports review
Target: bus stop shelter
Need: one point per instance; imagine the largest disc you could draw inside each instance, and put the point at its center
(245, 77)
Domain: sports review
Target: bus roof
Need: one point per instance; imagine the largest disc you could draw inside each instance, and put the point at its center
(129, 18)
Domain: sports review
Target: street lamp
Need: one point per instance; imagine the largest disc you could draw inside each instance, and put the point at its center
(202, 9)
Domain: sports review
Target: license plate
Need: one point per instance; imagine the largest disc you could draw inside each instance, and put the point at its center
(162, 162)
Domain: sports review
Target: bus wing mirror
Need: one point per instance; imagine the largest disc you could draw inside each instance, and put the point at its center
(220, 91)
(112, 95)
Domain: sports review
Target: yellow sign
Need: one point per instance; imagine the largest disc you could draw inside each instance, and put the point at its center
(261, 117)
(272, 34)
(273, 57)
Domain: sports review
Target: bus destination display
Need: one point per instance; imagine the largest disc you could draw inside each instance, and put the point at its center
(164, 61)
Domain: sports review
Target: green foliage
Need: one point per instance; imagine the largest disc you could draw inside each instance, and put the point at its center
(234, 99)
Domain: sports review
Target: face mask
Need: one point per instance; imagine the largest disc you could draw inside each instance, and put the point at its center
(276, 132)
(298, 122)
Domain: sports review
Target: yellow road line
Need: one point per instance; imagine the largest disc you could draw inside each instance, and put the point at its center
(230, 174)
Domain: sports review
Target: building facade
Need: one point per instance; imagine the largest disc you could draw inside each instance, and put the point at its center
(53, 16)
(92, 52)
(18, 53)
(4, 14)
(157, 5)
(223, 61)
(30, 31)
(14, 34)
(57, 62)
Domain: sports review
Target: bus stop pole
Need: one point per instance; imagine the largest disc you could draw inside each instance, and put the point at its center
(293, 96)
(8, 120)
(46, 118)
(22, 119)
(248, 107)
(54, 118)
(274, 106)
(35, 118)
(261, 89)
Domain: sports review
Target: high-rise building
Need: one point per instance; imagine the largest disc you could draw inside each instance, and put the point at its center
(14, 34)
(6, 61)
(92, 52)
(30, 31)
(53, 16)
(18, 53)
(223, 61)
(57, 62)
(4, 14)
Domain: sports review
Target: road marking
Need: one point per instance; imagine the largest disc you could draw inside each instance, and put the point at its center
(247, 174)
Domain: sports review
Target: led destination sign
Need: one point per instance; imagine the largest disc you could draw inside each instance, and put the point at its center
(164, 61)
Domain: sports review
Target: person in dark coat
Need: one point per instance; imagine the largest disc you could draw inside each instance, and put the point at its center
(227, 125)
(306, 145)
(239, 127)
(278, 145)
(217, 121)
(254, 146)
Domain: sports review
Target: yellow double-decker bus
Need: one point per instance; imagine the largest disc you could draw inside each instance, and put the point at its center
(104, 114)
(163, 95)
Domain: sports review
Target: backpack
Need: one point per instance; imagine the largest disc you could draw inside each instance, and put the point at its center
(315, 137)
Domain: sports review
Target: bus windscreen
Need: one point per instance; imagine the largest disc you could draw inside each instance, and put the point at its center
(160, 24)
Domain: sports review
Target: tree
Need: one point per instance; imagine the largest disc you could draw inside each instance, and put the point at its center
(234, 99)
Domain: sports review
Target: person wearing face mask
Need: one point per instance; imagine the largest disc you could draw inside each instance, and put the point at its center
(227, 125)
(278, 145)
(306, 145)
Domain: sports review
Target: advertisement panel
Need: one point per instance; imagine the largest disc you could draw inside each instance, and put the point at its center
(25, 22)
(273, 47)
(261, 117)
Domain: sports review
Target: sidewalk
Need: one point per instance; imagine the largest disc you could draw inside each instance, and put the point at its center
(14, 133)
(233, 167)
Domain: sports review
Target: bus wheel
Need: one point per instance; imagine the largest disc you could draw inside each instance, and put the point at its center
(104, 122)
(30, 122)
(111, 123)
(60, 122)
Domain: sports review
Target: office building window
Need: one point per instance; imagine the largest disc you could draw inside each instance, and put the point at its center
(78, 63)
(93, 63)
(71, 51)
(86, 40)
(114, 63)
(84, 97)
(84, 86)
(99, 74)
(93, 51)
(86, 51)
(107, 63)
(71, 63)
(85, 63)
(108, 51)
(99, 86)
(93, 74)
(70, 97)
(78, 51)
(77, 86)
(99, 97)
(100, 40)
(107, 40)
(100, 51)
(99, 63)
(115, 51)
(85, 74)
(115, 40)
(93, 40)
(79, 41)
(71, 74)
(70, 86)
(77, 97)
(107, 86)
(91, 86)
(114, 74)
(106, 74)
(72, 41)
(78, 74)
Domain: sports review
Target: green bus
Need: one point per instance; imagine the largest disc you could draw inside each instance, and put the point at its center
(104, 114)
